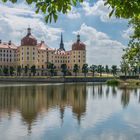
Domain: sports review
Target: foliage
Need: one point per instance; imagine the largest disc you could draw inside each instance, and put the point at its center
(135, 24)
(26, 69)
(107, 69)
(100, 69)
(124, 8)
(11, 69)
(64, 69)
(19, 70)
(114, 70)
(51, 8)
(51, 68)
(93, 69)
(76, 69)
(85, 69)
(131, 57)
(33, 70)
(113, 82)
(1, 72)
(5, 70)
(124, 67)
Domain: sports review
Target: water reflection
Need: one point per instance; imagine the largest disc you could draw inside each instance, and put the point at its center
(32, 100)
(90, 104)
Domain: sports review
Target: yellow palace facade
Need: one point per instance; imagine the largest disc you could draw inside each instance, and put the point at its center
(30, 53)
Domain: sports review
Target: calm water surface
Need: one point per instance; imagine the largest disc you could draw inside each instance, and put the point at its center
(84, 111)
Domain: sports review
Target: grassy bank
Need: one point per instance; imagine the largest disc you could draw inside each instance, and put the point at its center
(131, 83)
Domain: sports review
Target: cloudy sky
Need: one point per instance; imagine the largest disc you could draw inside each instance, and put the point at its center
(104, 37)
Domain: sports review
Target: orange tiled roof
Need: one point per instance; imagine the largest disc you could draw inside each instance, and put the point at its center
(42, 46)
(5, 45)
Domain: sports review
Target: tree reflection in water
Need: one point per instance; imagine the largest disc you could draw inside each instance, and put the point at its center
(32, 100)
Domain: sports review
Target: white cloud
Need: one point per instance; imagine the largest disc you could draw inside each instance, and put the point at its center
(73, 14)
(101, 49)
(68, 44)
(14, 21)
(98, 9)
(127, 33)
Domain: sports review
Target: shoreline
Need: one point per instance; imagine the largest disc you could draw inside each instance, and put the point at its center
(54, 80)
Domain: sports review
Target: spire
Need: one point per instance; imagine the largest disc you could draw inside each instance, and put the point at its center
(78, 38)
(29, 31)
(61, 38)
(61, 44)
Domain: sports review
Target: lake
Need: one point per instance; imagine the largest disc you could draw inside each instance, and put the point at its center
(82, 111)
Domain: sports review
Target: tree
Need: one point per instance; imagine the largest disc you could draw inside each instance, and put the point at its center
(132, 55)
(19, 70)
(76, 69)
(100, 69)
(5, 70)
(114, 70)
(85, 69)
(26, 70)
(64, 69)
(121, 8)
(107, 69)
(33, 70)
(124, 67)
(1, 72)
(93, 69)
(51, 68)
(11, 70)
(124, 8)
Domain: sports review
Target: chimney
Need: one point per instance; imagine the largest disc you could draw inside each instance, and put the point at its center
(42, 42)
(9, 42)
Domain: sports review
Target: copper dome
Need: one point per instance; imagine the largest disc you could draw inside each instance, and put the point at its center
(29, 40)
(78, 45)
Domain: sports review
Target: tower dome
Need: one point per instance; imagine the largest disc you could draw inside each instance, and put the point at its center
(78, 45)
(28, 40)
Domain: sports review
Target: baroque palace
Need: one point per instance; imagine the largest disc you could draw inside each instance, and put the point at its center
(31, 53)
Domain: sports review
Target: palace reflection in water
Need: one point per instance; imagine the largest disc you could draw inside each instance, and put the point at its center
(31, 101)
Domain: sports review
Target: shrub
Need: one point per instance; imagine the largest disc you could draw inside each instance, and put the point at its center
(113, 82)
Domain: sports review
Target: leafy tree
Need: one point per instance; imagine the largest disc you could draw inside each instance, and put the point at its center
(33, 70)
(93, 69)
(19, 70)
(114, 70)
(100, 69)
(124, 8)
(64, 69)
(5, 70)
(11, 69)
(76, 69)
(51, 8)
(135, 24)
(51, 68)
(124, 67)
(26, 69)
(107, 69)
(85, 69)
(132, 55)
(1, 72)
